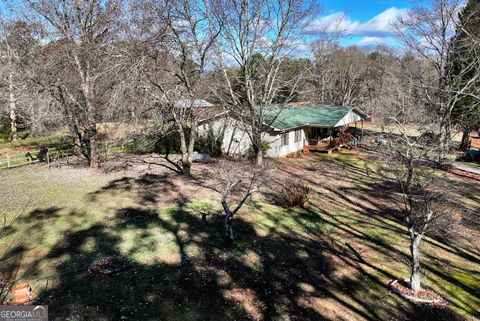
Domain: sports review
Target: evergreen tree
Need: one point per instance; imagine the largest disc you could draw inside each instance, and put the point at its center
(464, 67)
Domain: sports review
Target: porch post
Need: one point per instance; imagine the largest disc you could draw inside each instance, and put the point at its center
(361, 137)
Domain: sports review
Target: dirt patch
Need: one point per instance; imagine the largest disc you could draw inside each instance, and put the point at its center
(173, 259)
(109, 265)
(247, 298)
(425, 295)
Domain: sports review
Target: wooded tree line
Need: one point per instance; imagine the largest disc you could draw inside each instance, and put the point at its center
(80, 63)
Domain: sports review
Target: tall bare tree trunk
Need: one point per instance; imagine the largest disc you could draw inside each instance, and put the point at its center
(259, 157)
(187, 150)
(77, 143)
(93, 145)
(257, 149)
(415, 262)
(465, 143)
(444, 138)
(92, 121)
(191, 145)
(13, 107)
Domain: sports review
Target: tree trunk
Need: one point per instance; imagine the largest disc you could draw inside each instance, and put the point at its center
(259, 157)
(187, 151)
(77, 144)
(444, 140)
(191, 145)
(94, 158)
(415, 262)
(75, 133)
(465, 143)
(13, 108)
(93, 146)
(229, 227)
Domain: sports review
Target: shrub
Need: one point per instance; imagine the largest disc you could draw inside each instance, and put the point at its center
(5, 133)
(295, 193)
(209, 144)
(264, 146)
(473, 156)
(154, 142)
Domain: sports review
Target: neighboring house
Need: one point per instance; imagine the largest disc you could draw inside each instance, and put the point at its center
(291, 129)
(196, 103)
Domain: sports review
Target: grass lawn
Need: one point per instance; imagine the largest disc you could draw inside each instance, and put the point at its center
(34, 142)
(330, 261)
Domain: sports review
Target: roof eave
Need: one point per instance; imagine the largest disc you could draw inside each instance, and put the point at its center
(361, 113)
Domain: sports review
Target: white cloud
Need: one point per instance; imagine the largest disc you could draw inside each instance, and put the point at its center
(370, 41)
(339, 22)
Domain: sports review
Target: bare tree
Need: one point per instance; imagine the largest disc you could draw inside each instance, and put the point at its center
(81, 35)
(427, 31)
(257, 35)
(180, 35)
(425, 206)
(17, 46)
(239, 182)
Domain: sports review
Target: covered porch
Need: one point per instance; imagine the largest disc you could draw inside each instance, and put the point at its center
(328, 139)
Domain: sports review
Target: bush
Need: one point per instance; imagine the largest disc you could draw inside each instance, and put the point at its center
(5, 133)
(473, 156)
(264, 146)
(154, 142)
(209, 144)
(295, 194)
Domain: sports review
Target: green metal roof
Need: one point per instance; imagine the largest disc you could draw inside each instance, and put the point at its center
(302, 115)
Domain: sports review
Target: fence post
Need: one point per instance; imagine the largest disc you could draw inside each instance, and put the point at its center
(8, 160)
(48, 158)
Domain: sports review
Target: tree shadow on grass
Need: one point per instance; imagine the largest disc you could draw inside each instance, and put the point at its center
(149, 188)
(374, 210)
(186, 272)
(257, 278)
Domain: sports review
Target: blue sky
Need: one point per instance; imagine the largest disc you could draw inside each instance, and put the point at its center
(364, 23)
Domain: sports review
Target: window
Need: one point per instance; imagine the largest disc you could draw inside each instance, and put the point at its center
(298, 135)
(285, 138)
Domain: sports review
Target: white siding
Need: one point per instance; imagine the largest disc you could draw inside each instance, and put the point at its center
(349, 118)
(277, 149)
(237, 141)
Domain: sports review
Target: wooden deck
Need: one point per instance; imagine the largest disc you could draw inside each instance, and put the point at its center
(475, 140)
(322, 147)
(330, 146)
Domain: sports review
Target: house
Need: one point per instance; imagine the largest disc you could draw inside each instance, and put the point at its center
(292, 129)
(196, 103)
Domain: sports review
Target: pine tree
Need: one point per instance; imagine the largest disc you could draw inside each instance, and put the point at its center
(464, 66)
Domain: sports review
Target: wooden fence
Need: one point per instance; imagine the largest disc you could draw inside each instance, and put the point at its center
(49, 156)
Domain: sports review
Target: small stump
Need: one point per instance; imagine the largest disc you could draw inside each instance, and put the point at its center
(109, 265)
(425, 295)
